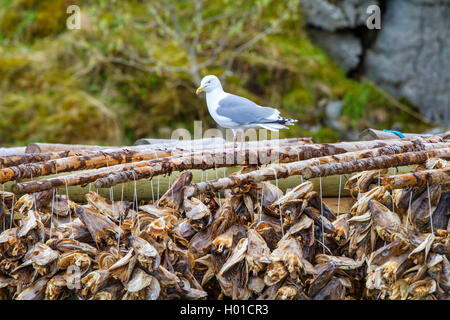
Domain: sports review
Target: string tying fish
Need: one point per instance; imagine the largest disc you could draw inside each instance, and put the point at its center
(12, 212)
(324, 246)
(429, 208)
(218, 192)
(379, 177)
(135, 199)
(409, 209)
(54, 201)
(157, 190)
(68, 206)
(279, 205)
(321, 213)
(51, 214)
(3, 207)
(298, 159)
(111, 195)
(339, 195)
(151, 189)
(34, 194)
(120, 222)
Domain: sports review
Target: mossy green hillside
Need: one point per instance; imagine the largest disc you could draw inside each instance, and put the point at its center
(80, 86)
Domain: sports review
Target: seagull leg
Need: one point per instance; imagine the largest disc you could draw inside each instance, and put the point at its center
(242, 140)
(234, 139)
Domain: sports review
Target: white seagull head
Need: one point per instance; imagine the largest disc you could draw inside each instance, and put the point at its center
(208, 84)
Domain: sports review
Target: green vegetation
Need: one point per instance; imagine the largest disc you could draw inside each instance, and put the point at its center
(127, 75)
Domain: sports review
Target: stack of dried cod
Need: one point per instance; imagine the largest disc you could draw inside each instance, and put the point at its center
(256, 243)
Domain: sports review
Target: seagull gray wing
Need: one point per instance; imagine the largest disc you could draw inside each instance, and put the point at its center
(243, 111)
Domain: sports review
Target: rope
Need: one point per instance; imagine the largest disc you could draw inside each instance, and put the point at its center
(339, 194)
(429, 207)
(398, 133)
(279, 205)
(321, 215)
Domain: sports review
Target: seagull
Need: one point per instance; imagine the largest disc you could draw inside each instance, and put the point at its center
(238, 113)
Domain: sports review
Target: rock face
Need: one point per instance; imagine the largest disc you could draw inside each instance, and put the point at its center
(411, 55)
(330, 27)
(334, 15)
(343, 47)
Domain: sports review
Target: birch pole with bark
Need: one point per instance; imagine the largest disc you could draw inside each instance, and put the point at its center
(224, 159)
(52, 163)
(308, 170)
(217, 161)
(15, 160)
(379, 162)
(42, 152)
(417, 179)
(92, 175)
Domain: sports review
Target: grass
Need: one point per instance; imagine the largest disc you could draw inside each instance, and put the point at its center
(56, 85)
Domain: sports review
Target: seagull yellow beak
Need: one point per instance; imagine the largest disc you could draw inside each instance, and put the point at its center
(200, 90)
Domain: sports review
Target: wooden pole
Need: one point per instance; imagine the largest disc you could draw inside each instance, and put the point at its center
(90, 176)
(379, 162)
(227, 158)
(40, 147)
(371, 134)
(330, 185)
(18, 159)
(12, 151)
(308, 170)
(210, 161)
(36, 165)
(417, 179)
(41, 152)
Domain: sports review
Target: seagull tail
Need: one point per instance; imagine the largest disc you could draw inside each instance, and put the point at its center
(278, 124)
(288, 122)
(272, 126)
(284, 121)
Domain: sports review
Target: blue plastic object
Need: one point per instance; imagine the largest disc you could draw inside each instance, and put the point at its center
(401, 135)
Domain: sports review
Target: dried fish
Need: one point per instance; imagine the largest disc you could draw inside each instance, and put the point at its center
(102, 229)
(257, 253)
(12, 247)
(93, 281)
(324, 274)
(253, 243)
(42, 258)
(123, 268)
(147, 255)
(142, 286)
(34, 292)
(56, 288)
(115, 210)
(198, 214)
(420, 208)
(174, 196)
(233, 276)
(69, 245)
